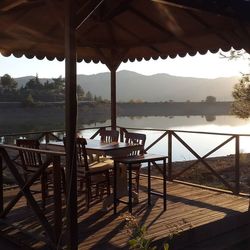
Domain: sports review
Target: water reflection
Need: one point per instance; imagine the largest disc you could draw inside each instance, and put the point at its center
(202, 144)
(210, 118)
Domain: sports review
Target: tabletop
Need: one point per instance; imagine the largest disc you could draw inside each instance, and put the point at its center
(96, 146)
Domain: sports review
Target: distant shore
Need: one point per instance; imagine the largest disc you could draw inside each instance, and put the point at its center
(16, 118)
(144, 108)
(174, 108)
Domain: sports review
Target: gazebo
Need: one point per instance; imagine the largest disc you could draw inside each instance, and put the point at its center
(115, 31)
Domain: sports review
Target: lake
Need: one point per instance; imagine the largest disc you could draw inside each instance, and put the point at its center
(201, 143)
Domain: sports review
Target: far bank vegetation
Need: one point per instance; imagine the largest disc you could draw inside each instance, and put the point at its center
(34, 92)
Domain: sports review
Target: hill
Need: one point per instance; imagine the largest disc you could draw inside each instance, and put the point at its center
(158, 87)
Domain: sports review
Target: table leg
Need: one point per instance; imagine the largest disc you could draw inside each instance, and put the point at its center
(164, 185)
(57, 196)
(115, 189)
(130, 188)
(149, 184)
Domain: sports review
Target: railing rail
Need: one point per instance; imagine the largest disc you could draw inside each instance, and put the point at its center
(169, 135)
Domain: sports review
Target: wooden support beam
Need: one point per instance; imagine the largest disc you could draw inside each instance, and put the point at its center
(133, 34)
(159, 27)
(235, 9)
(1, 184)
(113, 97)
(237, 164)
(70, 122)
(56, 11)
(11, 4)
(170, 154)
(208, 28)
(101, 10)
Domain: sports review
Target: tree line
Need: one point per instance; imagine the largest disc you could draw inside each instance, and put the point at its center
(34, 91)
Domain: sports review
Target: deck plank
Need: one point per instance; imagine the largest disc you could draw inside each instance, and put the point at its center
(190, 210)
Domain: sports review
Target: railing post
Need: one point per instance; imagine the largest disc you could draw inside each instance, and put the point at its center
(122, 134)
(237, 164)
(169, 155)
(47, 138)
(1, 184)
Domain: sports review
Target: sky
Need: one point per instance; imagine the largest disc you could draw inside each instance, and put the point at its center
(204, 66)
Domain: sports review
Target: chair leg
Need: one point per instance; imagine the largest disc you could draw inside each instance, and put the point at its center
(25, 180)
(88, 191)
(63, 182)
(108, 182)
(44, 189)
(137, 180)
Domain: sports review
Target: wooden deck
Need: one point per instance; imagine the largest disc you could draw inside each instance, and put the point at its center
(195, 217)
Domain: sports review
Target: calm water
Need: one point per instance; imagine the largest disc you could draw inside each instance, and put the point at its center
(202, 144)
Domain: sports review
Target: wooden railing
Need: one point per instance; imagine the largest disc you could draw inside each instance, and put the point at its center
(174, 134)
(171, 136)
(53, 231)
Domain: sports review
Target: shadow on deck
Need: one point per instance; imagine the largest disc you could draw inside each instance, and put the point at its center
(195, 219)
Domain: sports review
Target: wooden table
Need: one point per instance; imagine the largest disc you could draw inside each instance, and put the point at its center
(113, 149)
(129, 161)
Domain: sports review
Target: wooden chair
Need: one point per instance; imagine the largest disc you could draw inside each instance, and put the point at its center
(109, 135)
(136, 139)
(30, 162)
(92, 174)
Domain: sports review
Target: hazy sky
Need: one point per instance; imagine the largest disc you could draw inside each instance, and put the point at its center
(206, 66)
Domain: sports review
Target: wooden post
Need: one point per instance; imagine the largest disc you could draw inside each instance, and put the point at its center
(57, 197)
(1, 184)
(70, 122)
(169, 155)
(237, 164)
(47, 138)
(121, 134)
(113, 97)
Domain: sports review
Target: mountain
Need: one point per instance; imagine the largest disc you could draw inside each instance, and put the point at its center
(154, 88)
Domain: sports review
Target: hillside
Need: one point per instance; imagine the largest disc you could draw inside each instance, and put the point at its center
(131, 85)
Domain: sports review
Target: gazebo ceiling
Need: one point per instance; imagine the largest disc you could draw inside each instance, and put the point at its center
(112, 31)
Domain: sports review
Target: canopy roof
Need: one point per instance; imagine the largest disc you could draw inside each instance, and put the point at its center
(112, 31)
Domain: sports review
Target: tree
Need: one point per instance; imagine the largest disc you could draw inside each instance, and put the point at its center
(8, 83)
(89, 96)
(99, 99)
(34, 83)
(210, 99)
(241, 95)
(59, 83)
(29, 101)
(241, 90)
(80, 92)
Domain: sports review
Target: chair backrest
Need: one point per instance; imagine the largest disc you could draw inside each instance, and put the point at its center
(82, 157)
(29, 159)
(109, 135)
(136, 138)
